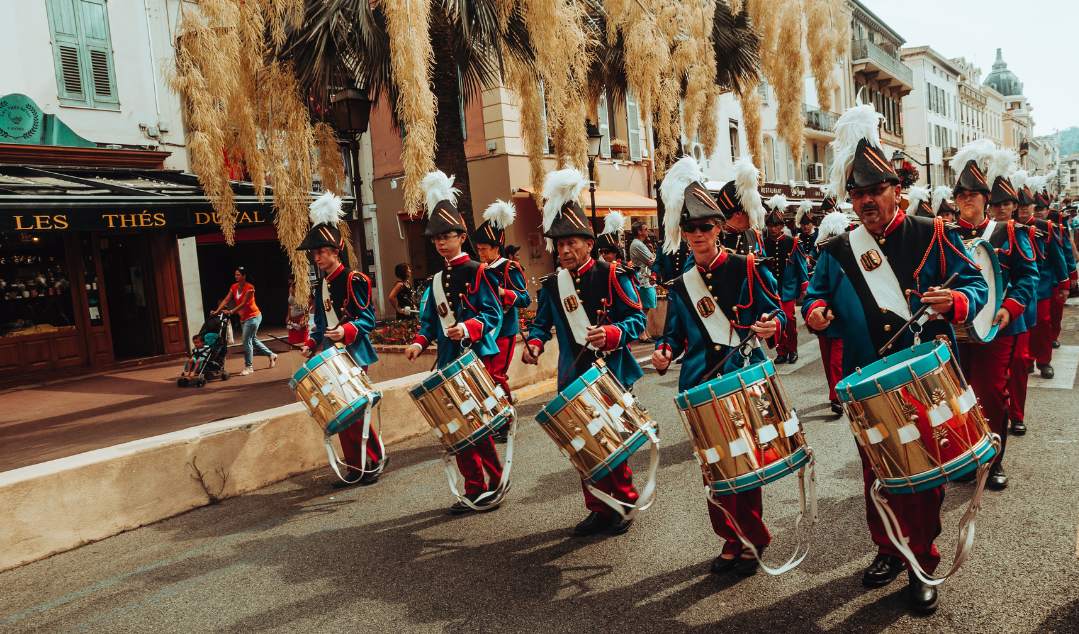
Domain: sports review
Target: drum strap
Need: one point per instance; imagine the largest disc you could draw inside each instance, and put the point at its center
(880, 278)
(989, 228)
(442, 306)
(332, 318)
(495, 496)
(335, 460)
(715, 321)
(647, 496)
(576, 314)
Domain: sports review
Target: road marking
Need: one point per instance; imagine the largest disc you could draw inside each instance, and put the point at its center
(1065, 364)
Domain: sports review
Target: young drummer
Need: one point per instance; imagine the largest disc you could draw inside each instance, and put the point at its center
(342, 313)
(742, 230)
(1054, 276)
(612, 318)
(896, 263)
(713, 306)
(609, 243)
(1056, 307)
(787, 262)
(985, 165)
(489, 240)
(463, 309)
(831, 338)
(807, 233)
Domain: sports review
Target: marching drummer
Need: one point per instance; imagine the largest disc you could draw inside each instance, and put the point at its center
(896, 262)
(342, 313)
(742, 229)
(807, 233)
(1054, 275)
(787, 263)
(720, 301)
(463, 310)
(489, 240)
(594, 311)
(984, 164)
(609, 243)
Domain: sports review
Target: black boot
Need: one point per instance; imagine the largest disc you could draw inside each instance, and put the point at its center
(749, 567)
(923, 597)
(792, 357)
(997, 480)
(837, 409)
(1055, 344)
(1030, 368)
(1018, 428)
(883, 570)
(459, 508)
(352, 478)
(594, 523)
(371, 477)
(780, 359)
(1046, 370)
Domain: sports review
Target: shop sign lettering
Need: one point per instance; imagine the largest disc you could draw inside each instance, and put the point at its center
(146, 219)
(243, 218)
(26, 223)
(124, 221)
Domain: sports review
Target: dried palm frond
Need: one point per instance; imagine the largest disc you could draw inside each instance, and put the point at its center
(826, 26)
(788, 72)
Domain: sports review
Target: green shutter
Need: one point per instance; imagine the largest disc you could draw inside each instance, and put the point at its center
(82, 53)
(633, 129)
(94, 19)
(67, 52)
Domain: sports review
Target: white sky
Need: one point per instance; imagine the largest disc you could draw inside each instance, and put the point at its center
(1037, 38)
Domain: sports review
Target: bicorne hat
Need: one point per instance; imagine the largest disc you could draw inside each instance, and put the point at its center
(919, 202)
(859, 158)
(496, 218)
(776, 206)
(562, 214)
(611, 238)
(685, 200)
(325, 212)
(441, 198)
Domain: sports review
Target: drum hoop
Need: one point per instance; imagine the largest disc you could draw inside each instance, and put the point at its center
(845, 385)
(585, 384)
(998, 276)
(763, 366)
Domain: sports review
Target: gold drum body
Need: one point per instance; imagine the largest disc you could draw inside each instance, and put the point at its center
(335, 389)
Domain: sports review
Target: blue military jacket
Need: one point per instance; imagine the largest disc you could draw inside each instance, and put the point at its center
(1052, 262)
(740, 288)
(787, 263)
(923, 253)
(1017, 267)
(350, 294)
(607, 292)
(667, 267)
(471, 292)
(510, 277)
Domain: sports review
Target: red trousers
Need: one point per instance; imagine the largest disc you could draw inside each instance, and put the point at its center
(1041, 337)
(618, 484)
(483, 456)
(498, 364)
(918, 514)
(991, 380)
(788, 343)
(352, 440)
(1017, 381)
(1056, 314)
(747, 511)
(831, 354)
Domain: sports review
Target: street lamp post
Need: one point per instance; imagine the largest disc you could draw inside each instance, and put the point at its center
(594, 141)
(351, 115)
(897, 164)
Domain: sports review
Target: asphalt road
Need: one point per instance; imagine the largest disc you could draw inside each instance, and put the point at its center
(300, 557)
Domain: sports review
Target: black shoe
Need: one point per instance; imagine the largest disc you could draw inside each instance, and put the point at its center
(594, 523)
(460, 508)
(749, 567)
(1047, 370)
(923, 597)
(371, 477)
(837, 409)
(969, 476)
(352, 478)
(1055, 344)
(792, 357)
(1018, 428)
(997, 480)
(619, 526)
(721, 565)
(502, 436)
(883, 570)
(1030, 368)
(780, 359)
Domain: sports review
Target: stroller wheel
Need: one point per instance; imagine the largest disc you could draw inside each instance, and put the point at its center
(201, 382)
(225, 375)
(181, 382)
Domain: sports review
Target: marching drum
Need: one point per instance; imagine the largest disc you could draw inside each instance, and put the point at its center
(337, 393)
(981, 329)
(920, 425)
(598, 424)
(745, 434)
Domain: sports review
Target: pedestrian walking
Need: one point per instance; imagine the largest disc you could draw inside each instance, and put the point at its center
(642, 259)
(243, 294)
(402, 298)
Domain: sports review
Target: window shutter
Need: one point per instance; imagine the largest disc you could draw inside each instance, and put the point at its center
(64, 23)
(633, 125)
(98, 64)
(604, 126)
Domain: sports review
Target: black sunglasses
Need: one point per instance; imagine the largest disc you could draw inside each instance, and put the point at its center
(703, 227)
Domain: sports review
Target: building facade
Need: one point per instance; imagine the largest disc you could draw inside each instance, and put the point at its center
(880, 76)
(932, 113)
(1017, 120)
(1069, 176)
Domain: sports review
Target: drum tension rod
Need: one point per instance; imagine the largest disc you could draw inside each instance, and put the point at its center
(915, 317)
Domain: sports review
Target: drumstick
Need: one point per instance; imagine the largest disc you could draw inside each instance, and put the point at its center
(947, 284)
(741, 344)
(602, 316)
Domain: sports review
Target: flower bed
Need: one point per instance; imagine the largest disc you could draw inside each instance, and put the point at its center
(396, 333)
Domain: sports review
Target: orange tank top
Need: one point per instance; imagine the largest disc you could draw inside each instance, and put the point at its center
(245, 309)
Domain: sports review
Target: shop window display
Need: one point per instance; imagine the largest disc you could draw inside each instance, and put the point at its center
(35, 288)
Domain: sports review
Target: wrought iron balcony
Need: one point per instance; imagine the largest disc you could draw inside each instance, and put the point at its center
(877, 59)
(818, 119)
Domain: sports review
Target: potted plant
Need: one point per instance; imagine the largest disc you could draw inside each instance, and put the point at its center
(619, 148)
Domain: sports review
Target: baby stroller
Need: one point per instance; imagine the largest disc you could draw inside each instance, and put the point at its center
(213, 365)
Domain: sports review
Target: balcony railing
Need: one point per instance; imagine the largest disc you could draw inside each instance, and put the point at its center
(949, 153)
(863, 51)
(818, 119)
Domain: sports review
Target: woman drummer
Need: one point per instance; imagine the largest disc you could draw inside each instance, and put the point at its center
(745, 292)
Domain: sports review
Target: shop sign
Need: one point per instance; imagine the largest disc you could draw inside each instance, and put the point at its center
(146, 219)
(798, 192)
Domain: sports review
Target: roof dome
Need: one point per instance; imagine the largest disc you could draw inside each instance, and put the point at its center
(1003, 80)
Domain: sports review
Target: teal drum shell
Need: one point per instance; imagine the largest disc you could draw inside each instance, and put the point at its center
(353, 412)
(503, 417)
(983, 453)
(771, 473)
(442, 375)
(893, 371)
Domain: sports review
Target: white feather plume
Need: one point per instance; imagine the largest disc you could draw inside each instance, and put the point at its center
(980, 151)
(777, 203)
(834, 223)
(746, 178)
(672, 191)
(326, 209)
(1020, 179)
(803, 209)
(1036, 184)
(559, 188)
(916, 196)
(614, 222)
(857, 123)
(940, 194)
(500, 214)
(1002, 162)
(438, 187)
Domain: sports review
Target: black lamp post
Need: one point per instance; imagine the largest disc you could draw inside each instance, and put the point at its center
(594, 141)
(897, 164)
(351, 115)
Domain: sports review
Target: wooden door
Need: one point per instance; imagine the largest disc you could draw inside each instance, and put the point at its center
(168, 286)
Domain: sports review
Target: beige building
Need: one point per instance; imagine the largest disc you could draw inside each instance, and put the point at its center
(931, 113)
(1069, 176)
(879, 75)
(973, 119)
(994, 115)
(1017, 120)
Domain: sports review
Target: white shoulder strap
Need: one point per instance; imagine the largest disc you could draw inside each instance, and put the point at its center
(332, 318)
(989, 228)
(442, 305)
(715, 321)
(878, 274)
(571, 303)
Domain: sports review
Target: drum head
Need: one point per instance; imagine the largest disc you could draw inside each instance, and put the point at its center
(893, 371)
(985, 257)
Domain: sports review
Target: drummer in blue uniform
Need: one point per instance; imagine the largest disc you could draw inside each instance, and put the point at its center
(668, 266)
(595, 312)
(343, 313)
(724, 294)
(984, 164)
(895, 262)
(787, 262)
(742, 229)
(489, 240)
(807, 233)
(462, 309)
(1054, 275)
(831, 338)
